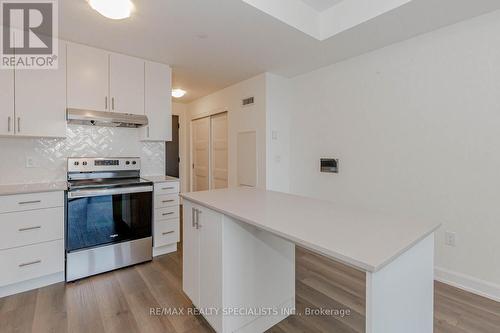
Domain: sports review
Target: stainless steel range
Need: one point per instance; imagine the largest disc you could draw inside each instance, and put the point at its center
(108, 216)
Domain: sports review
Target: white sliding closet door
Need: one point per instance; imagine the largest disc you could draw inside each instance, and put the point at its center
(201, 154)
(219, 157)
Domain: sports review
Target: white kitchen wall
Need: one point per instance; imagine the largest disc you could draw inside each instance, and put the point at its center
(278, 112)
(181, 110)
(240, 119)
(49, 155)
(416, 126)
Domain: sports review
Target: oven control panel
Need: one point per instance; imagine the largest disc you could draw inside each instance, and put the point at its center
(92, 164)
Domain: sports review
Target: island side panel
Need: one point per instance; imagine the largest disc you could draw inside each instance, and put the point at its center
(400, 296)
(258, 274)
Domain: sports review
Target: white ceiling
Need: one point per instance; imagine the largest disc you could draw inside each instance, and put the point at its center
(321, 5)
(213, 46)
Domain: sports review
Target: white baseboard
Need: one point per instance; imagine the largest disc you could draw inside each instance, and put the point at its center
(31, 284)
(158, 251)
(468, 283)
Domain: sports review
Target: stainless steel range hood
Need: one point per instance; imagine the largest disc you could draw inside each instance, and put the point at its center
(107, 119)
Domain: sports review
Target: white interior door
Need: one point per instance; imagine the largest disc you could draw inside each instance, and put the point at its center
(201, 153)
(247, 159)
(219, 155)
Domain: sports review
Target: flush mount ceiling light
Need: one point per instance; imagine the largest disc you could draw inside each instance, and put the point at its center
(113, 9)
(178, 93)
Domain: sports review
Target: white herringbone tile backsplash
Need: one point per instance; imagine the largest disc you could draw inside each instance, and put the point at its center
(50, 155)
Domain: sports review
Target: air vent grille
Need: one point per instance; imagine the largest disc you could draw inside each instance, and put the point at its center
(248, 101)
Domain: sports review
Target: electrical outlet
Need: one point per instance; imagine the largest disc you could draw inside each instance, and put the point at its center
(30, 162)
(450, 238)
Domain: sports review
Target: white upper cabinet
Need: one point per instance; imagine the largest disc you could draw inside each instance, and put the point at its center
(40, 100)
(158, 102)
(6, 102)
(126, 84)
(88, 70)
(103, 81)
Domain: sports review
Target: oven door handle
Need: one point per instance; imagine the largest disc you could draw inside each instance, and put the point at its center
(111, 191)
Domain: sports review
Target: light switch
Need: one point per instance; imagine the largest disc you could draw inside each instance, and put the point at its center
(30, 162)
(275, 135)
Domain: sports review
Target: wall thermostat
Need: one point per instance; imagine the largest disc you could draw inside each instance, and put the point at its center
(330, 165)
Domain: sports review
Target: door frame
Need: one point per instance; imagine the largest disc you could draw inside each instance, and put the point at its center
(197, 117)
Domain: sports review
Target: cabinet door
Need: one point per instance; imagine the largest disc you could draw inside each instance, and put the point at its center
(6, 102)
(41, 100)
(126, 84)
(158, 102)
(190, 255)
(87, 78)
(210, 227)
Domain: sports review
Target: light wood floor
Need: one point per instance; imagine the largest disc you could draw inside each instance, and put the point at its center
(120, 301)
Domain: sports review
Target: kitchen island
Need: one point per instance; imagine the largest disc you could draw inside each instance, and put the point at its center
(239, 258)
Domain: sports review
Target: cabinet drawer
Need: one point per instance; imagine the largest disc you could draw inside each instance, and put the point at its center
(166, 232)
(166, 200)
(33, 261)
(166, 213)
(21, 202)
(30, 227)
(166, 188)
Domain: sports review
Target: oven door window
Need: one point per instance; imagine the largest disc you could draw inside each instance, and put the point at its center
(101, 220)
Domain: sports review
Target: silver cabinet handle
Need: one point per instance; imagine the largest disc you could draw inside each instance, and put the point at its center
(105, 102)
(30, 228)
(169, 213)
(148, 131)
(168, 232)
(30, 263)
(8, 124)
(29, 202)
(112, 103)
(170, 200)
(168, 188)
(193, 215)
(198, 225)
(19, 124)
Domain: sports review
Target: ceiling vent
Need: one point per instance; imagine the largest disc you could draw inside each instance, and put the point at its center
(248, 101)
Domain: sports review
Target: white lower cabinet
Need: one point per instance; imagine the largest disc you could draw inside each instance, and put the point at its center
(33, 261)
(202, 261)
(166, 225)
(233, 273)
(30, 227)
(31, 242)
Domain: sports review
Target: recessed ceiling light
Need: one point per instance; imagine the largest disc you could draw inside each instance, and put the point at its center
(113, 9)
(178, 93)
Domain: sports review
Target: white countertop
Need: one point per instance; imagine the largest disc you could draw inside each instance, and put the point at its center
(363, 239)
(160, 179)
(12, 189)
